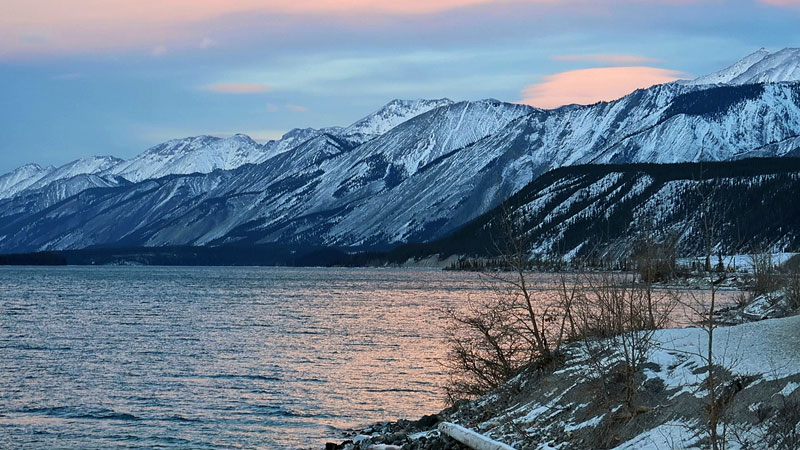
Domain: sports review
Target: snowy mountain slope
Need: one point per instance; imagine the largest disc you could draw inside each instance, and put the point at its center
(389, 116)
(727, 74)
(22, 177)
(632, 129)
(780, 66)
(31, 201)
(83, 166)
(33, 177)
(599, 211)
(759, 67)
(419, 181)
(326, 179)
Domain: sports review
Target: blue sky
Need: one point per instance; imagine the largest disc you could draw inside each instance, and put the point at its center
(82, 77)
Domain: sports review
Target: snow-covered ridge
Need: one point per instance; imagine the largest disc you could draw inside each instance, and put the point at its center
(33, 177)
(22, 177)
(758, 67)
(392, 114)
(205, 154)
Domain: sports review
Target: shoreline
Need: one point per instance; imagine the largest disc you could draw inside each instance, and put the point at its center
(569, 407)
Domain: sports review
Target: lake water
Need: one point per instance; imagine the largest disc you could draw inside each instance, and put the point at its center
(219, 358)
(202, 358)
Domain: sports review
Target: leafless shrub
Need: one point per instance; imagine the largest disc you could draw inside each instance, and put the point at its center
(486, 349)
(618, 319)
(655, 261)
(712, 213)
(773, 426)
(783, 431)
(742, 299)
(793, 288)
(765, 277)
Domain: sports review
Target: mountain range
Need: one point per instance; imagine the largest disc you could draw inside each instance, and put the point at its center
(599, 213)
(413, 171)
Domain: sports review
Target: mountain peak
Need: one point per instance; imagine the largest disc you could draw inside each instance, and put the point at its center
(761, 66)
(392, 114)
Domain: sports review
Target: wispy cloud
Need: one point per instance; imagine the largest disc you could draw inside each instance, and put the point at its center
(159, 50)
(207, 43)
(236, 88)
(784, 3)
(587, 86)
(296, 108)
(273, 108)
(77, 26)
(606, 58)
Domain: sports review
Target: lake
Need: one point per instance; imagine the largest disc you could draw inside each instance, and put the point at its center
(220, 357)
(215, 358)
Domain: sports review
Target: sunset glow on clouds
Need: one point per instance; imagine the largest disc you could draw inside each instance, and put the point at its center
(587, 86)
(47, 26)
(67, 26)
(117, 76)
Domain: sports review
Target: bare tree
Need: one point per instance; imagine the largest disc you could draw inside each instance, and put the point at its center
(493, 339)
(486, 349)
(712, 210)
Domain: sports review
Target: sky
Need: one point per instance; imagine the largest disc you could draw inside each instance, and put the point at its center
(114, 77)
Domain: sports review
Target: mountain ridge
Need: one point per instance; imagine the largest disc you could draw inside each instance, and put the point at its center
(415, 182)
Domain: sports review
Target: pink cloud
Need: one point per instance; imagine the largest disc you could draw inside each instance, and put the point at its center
(605, 58)
(87, 25)
(61, 26)
(587, 86)
(236, 88)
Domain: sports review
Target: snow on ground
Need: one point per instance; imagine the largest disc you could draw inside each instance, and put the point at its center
(738, 263)
(568, 408)
(671, 435)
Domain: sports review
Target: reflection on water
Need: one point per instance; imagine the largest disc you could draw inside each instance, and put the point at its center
(146, 357)
(140, 357)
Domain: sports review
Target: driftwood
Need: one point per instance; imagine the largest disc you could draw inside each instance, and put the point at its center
(471, 438)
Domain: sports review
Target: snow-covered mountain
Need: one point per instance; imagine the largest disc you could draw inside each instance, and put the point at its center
(199, 154)
(33, 176)
(204, 154)
(419, 178)
(21, 177)
(391, 115)
(83, 166)
(758, 67)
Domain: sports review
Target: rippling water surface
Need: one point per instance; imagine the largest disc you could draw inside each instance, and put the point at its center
(218, 358)
(154, 357)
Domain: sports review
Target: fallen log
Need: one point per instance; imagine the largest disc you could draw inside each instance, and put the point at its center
(471, 438)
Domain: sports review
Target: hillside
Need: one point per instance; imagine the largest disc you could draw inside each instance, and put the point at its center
(599, 211)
